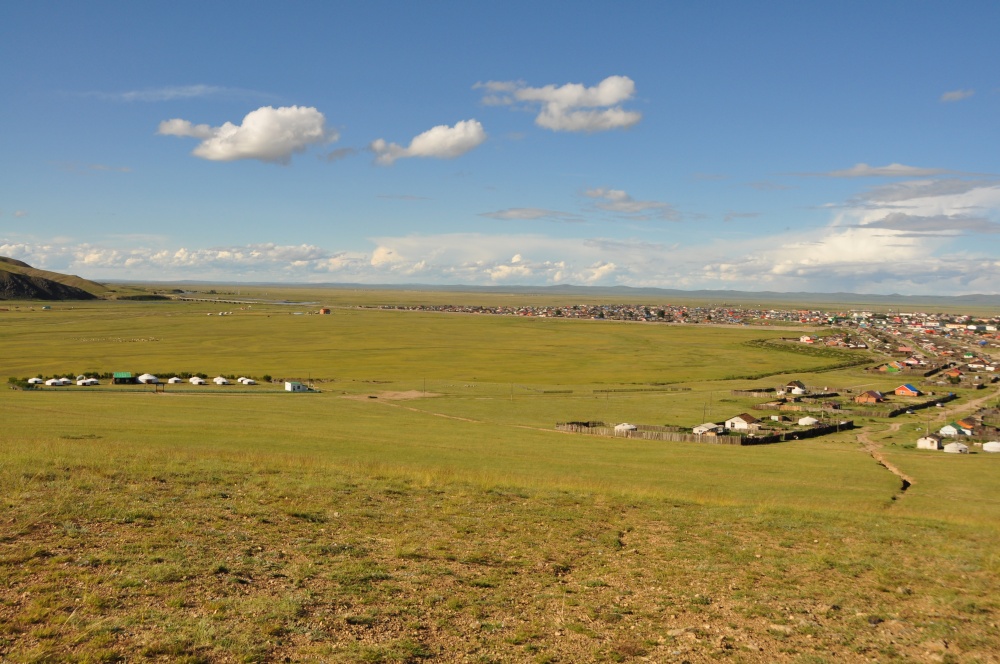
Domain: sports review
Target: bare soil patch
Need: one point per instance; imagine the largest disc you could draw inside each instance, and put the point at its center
(393, 396)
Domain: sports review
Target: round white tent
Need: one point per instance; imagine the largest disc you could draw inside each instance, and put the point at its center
(148, 379)
(219, 380)
(54, 382)
(956, 448)
(624, 428)
(808, 421)
(197, 381)
(175, 380)
(35, 381)
(992, 446)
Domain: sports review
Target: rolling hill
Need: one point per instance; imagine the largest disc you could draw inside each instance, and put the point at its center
(20, 281)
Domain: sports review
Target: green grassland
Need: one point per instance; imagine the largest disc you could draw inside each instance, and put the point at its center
(421, 507)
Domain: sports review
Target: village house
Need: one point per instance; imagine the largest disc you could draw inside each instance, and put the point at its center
(742, 422)
(929, 442)
(907, 390)
(871, 396)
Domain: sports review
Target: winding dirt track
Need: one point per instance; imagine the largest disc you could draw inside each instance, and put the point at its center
(874, 449)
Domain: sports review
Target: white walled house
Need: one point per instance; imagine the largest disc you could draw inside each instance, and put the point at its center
(706, 428)
(929, 442)
(295, 386)
(742, 422)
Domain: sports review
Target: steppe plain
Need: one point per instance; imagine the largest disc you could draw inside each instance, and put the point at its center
(420, 505)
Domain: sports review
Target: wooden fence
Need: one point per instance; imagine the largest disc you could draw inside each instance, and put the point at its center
(644, 433)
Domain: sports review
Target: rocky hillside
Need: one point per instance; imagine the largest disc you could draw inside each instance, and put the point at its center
(20, 281)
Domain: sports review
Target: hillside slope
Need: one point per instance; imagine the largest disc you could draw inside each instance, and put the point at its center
(20, 281)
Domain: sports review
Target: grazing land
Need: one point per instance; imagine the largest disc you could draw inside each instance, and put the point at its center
(420, 505)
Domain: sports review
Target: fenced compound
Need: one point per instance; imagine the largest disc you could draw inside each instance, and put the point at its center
(652, 432)
(643, 389)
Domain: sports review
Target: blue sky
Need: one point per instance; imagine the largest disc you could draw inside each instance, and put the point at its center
(847, 146)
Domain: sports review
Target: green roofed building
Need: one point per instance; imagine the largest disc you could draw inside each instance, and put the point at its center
(123, 378)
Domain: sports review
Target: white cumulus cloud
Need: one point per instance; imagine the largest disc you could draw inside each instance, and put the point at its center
(570, 107)
(441, 142)
(268, 134)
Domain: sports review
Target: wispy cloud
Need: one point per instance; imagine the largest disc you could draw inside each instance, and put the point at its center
(402, 197)
(769, 186)
(175, 92)
(618, 201)
(75, 167)
(570, 107)
(731, 216)
(339, 153)
(440, 142)
(957, 95)
(894, 170)
(941, 224)
(528, 214)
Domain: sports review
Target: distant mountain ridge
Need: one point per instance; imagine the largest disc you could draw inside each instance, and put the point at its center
(20, 281)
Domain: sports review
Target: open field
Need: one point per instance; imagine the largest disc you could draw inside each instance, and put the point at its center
(230, 524)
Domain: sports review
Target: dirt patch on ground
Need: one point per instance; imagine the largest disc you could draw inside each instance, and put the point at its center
(394, 396)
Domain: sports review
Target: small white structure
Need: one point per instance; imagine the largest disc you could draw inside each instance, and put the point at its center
(220, 380)
(992, 446)
(35, 381)
(247, 381)
(54, 382)
(295, 386)
(80, 377)
(195, 380)
(175, 380)
(148, 379)
(624, 428)
(706, 428)
(87, 382)
(956, 448)
(808, 421)
(954, 429)
(929, 442)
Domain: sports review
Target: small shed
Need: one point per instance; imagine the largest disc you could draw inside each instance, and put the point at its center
(956, 448)
(929, 442)
(148, 379)
(123, 378)
(220, 380)
(707, 428)
(295, 386)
